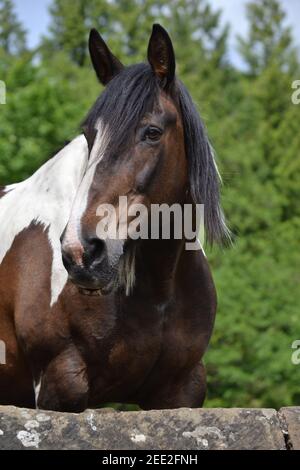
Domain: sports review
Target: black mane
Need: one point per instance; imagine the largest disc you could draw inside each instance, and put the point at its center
(122, 105)
(203, 174)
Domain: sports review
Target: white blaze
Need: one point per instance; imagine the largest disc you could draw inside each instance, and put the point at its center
(46, 198)
(72, 238)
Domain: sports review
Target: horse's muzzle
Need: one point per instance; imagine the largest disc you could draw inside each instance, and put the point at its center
(97, 266)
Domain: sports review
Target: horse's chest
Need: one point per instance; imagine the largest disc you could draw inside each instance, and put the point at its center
(143, 353)
(127, 348)
(120, 359)
(130, 346)
(131, 352)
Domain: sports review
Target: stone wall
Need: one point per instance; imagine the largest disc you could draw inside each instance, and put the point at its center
(169, 429)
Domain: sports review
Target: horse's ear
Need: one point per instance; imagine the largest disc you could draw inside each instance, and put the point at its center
(161, 55)
(106, 65)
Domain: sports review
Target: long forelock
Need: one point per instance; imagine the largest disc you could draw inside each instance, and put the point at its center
(122, 105)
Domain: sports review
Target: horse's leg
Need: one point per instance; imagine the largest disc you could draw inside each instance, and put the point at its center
(64, 383)
(189, 391)
(16, 381)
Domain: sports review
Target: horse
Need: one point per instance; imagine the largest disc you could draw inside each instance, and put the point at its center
(88, 320)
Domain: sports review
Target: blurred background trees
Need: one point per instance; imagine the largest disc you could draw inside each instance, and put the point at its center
(253, 126)
(12, 34)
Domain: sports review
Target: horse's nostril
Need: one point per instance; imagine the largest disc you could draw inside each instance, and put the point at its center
(94, 250)
(67, 260)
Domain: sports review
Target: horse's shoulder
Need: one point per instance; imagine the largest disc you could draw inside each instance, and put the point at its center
(194, 265)
(196, 281)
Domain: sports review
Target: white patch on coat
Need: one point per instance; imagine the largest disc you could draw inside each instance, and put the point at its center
(46, 198)
(10, 187)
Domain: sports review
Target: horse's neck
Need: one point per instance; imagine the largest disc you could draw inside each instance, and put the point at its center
(157, 262)
(46, 197)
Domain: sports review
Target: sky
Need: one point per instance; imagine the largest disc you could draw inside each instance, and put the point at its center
(35, 17)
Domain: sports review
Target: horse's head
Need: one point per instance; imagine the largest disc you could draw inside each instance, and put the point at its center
(146, 143)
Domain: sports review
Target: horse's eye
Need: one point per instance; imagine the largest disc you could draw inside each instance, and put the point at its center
(152, 134)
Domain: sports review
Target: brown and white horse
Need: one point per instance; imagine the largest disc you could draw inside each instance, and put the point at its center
(86, 320)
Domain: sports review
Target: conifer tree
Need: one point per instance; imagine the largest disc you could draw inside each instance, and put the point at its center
(12, 33)
(269, 39)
